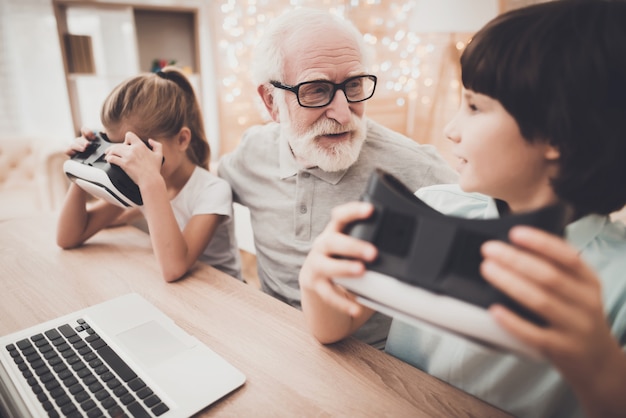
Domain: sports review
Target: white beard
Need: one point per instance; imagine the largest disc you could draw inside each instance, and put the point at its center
(339, 156)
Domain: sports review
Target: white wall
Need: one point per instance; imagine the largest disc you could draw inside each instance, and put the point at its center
(34, 100)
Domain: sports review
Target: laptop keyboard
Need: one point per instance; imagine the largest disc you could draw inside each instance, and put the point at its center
(75, 373)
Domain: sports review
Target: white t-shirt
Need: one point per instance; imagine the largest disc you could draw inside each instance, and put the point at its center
(205, 193)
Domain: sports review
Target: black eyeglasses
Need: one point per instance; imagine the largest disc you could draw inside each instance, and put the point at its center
(320, 93)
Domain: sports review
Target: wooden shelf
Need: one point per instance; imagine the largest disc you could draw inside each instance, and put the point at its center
(79, 52)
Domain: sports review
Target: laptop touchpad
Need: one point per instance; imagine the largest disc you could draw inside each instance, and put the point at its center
(150, 344)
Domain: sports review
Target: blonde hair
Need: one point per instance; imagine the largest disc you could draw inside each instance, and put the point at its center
(159, 105)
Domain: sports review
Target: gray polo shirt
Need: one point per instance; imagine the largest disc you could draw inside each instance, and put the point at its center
(290, 205)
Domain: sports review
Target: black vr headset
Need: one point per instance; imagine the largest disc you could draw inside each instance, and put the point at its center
(90, 171)
(424, 248)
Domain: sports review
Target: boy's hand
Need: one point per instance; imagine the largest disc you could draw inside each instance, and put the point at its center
(544, 273)
(322, 263)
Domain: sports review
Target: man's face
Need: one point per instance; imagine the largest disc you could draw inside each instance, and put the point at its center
(329, 137)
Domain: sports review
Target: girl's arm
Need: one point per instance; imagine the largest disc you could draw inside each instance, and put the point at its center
(176, 251)
(76, 222)
(331, 312)
(547, 275)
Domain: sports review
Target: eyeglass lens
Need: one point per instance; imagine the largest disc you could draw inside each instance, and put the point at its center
(321, 93)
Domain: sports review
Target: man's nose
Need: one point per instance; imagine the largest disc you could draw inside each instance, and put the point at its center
(339, 108)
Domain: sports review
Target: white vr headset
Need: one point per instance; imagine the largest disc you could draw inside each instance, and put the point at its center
(427, 271)
(90, 171)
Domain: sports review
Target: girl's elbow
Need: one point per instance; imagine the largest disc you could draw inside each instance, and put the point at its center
(67, 244)
(171, 278)
(326, 339)
(172, 275)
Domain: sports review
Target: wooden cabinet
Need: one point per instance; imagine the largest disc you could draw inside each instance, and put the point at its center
(106, 42)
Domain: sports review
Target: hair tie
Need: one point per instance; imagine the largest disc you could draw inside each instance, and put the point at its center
(176, 79)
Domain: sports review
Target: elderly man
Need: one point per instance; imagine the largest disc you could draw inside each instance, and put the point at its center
(311, 69)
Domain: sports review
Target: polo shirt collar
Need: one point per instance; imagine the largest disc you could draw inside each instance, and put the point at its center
(289, 166)
(491, 211)
(584, 230)
(579, 233)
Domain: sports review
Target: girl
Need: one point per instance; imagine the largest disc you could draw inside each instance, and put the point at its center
(188, 209)
(541, 121)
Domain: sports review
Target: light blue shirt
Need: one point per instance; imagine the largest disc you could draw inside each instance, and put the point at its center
(523, 387)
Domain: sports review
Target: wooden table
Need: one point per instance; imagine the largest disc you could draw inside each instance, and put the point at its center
(288, 372)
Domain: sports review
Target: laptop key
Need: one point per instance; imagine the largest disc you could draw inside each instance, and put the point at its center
(119, 391)
(87, 405)
(116, 363)
(108, 403)
(93, 413)
(144, 392)
(113, 383)
(63, 400)
(151, 401)
(28, 351)
(116, 411)
(137, 410)
(76, 388)
(136, 384)
(82, 396)
(68, 409)
(52, 334)
(160, 409)
(90, 379)
(23, 344)
(67, 331)
(127, 398)
(95, 387)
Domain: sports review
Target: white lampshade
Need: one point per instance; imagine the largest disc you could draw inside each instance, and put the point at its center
(452, 15)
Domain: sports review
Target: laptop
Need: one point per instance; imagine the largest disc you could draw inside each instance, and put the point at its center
(122, 357)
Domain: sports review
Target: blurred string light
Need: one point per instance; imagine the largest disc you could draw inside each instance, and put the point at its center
(404, 59)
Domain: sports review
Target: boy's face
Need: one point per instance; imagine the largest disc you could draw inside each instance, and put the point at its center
(495, 159)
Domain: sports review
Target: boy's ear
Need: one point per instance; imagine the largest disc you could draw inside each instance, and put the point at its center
(267, 95)
(552, 153)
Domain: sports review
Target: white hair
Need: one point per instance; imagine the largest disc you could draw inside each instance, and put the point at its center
(269, 57)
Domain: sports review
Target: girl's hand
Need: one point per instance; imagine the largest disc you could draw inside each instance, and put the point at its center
(544, 273)
(80, 143)
(136, 159)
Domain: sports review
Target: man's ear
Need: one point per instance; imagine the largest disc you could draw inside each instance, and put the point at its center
(267, 96)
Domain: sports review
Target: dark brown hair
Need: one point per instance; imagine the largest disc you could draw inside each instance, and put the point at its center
(559, 68)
